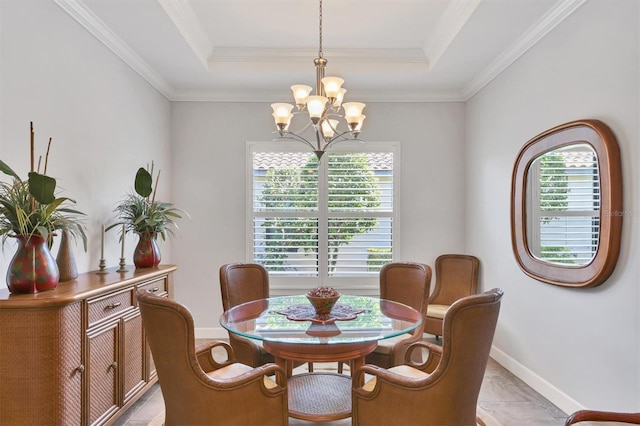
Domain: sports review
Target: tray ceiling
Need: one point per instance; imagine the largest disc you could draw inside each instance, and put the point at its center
(253, 50)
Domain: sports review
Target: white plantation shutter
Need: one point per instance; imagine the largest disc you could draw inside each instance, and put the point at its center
(329, 220)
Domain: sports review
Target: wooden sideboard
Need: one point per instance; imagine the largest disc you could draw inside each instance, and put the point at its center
(77, 355)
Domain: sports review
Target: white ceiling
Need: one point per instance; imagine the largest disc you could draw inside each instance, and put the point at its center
(253, 50)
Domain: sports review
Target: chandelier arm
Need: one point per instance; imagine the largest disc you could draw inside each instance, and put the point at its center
(341, 137)
(294, 137)
(304, 129)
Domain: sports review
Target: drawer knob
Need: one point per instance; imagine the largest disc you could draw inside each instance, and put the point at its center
(153, 290)
(113, 305)
(79, 369)
(113, 366)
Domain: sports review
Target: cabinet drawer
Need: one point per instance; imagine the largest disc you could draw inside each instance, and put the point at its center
(110, 305)
(157, 287)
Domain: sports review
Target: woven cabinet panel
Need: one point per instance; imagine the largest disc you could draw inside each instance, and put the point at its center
(133, 355)
(103, 371)
(70, 360)
(37, 369)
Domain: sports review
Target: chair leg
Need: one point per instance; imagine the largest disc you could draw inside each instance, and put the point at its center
(339, 367)
(310, 367)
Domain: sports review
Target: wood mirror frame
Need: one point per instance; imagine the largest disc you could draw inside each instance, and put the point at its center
(599, 137)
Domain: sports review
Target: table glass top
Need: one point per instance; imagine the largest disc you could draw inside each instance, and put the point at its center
(290, 319)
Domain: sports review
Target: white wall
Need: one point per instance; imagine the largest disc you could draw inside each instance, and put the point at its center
(209, 158)
(104, 119)
(579, 347)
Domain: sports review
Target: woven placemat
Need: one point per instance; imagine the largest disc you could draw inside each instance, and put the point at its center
(320, 394)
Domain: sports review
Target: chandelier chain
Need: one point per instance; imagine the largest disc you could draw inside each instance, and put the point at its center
(320, 31)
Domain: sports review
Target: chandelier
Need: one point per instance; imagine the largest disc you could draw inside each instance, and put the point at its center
(325, 110)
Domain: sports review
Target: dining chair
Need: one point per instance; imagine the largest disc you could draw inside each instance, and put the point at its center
(443, 390)
(196, 388)
(241, 283)
(456, 277)
(595, 417)
(407, 283)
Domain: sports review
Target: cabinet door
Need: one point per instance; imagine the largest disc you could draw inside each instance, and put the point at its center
(133, 355)
(102, 366)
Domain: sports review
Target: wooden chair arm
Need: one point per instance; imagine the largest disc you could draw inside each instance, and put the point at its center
(602, 416)
(428, 366)
(204, 353)
(255, 375)
(383, 377)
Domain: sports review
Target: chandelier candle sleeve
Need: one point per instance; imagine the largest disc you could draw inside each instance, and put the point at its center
(122, 246)
(102, 243)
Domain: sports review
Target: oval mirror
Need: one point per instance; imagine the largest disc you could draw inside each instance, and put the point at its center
(566, 205)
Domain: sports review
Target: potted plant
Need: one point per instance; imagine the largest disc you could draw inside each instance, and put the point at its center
(30, 212)
(141, 213)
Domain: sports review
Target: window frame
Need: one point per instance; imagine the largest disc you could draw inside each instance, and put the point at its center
(364, 285)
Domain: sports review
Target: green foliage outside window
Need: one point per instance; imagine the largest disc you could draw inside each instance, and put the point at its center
(352, 187)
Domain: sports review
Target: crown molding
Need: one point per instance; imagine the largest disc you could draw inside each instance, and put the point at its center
(191, 28)
(183, 16)
(87, 19)
(548, 22)
(389, 96)
(284, 55)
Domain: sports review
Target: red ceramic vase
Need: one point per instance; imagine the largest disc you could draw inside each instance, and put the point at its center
(33, 267)
(147, 252)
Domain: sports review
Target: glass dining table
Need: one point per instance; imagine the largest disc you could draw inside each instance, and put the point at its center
(289, 329)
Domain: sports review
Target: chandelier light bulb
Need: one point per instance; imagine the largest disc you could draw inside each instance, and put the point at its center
(353, 112)
(315, 106)
(300, 94)
(282, 115)
(328, 127)
(339, 98)
(332, 86)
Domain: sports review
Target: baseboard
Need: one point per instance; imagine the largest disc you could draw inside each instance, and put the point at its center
(539, 384)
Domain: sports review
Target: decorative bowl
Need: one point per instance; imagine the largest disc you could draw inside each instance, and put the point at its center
(323, 299)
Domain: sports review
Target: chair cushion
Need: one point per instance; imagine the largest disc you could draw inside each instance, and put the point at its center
(385, 345)
(401, 370)
(437, 311)
(233, 370)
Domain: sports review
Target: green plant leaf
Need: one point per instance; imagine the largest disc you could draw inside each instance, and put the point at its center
(42, 188)
(143, 182)
(8, 170)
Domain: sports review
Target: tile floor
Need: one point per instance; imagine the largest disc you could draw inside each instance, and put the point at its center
(508, 399)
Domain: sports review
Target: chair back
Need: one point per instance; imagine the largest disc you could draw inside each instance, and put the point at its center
(407, 283)
(456, 277)
(468, 330)
(191, 397)
(243, 282)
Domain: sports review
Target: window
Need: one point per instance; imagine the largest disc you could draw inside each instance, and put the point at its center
(323, 220)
